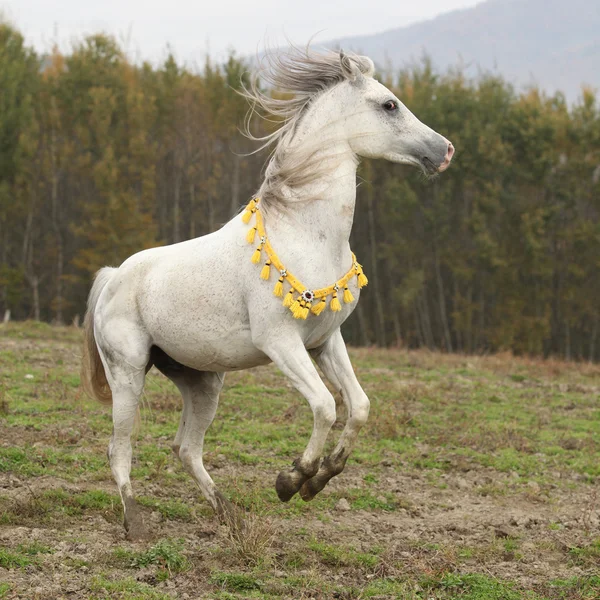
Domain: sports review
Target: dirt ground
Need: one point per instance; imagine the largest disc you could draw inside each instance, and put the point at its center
(446, 496)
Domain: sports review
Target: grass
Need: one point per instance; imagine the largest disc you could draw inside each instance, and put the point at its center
(236, 582)
(250, 535)
(126, 589)
(23, 555)
(167, 555)
(454, 447)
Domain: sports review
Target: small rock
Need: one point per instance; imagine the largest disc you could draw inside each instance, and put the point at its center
(382, 499)
(386, 462)
(29, 376)
(534, 486)
(462, 484)
(528, 547)
(502, 532)
(342, 505)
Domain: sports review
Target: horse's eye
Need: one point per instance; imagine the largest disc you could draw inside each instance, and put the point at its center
(390, 105)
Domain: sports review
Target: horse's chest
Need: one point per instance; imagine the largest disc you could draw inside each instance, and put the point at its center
(316, 330)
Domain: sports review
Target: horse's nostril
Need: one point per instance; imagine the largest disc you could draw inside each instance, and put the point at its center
(450, 152)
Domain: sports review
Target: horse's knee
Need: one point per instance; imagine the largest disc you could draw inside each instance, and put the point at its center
(186, 456)
(191, 459)
(324, 410)
(360, 410)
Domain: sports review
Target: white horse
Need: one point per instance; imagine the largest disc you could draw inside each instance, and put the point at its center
(200, 308)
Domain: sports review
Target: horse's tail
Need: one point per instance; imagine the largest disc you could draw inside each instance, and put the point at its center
(93, 377)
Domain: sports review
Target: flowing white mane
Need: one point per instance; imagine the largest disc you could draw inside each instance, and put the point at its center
(296, 77)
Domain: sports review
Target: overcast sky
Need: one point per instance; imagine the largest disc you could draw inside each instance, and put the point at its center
(191, 27)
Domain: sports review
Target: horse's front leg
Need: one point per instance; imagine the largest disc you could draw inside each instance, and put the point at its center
(333, 359)
(293, 360)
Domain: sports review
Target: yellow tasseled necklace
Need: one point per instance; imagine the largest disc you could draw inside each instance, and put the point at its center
(303, 303)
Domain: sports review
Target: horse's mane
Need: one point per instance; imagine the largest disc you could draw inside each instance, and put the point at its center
(294, 77)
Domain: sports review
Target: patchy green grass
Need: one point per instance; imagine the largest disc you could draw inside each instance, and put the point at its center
(126, 589)
(23, 555)
(470, 474)
(167, 555)
(588, 554)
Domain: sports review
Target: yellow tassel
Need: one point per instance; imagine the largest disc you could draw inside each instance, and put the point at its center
(299, 309)
(295, 306)
(289, 298)
(348, 297)
(319, 307)
(250, 235)
(278, 289)
(247, 216)
(335, 303)
(362, 280)
(256, 256)
(266, 271)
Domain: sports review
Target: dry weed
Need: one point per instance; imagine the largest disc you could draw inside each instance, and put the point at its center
(250, 534)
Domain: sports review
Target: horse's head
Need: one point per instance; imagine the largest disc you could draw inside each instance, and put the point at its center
(378, 125)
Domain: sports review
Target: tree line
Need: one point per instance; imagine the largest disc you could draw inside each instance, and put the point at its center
(101, 157)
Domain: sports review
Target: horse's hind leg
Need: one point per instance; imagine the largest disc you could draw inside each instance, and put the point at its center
(126, 382)
(200, 391)
(180, 430)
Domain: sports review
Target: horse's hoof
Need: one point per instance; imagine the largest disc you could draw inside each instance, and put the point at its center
(286, 485)
(225, 509)
(311, 488)
(135, 529)
(136, 532)
(307, 491)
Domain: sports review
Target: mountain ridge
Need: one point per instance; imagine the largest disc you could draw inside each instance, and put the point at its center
(529, 42)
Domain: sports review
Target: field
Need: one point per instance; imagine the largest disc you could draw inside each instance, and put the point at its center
(475, 478)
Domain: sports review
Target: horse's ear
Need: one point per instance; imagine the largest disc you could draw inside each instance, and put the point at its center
(349, 67)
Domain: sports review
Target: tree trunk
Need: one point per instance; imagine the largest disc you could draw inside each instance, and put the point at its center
(176, 208)
(34, 281)
(397, 329)
(441, 298)
(427, 330)
(374, 274)
(3, 261)
(235, 186)
(593, 340)
(192, 211)
(418, 326)
(58, 300)
(362, 325)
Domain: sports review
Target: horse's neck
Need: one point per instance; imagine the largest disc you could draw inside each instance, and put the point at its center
(319, 228)
(324, 220)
